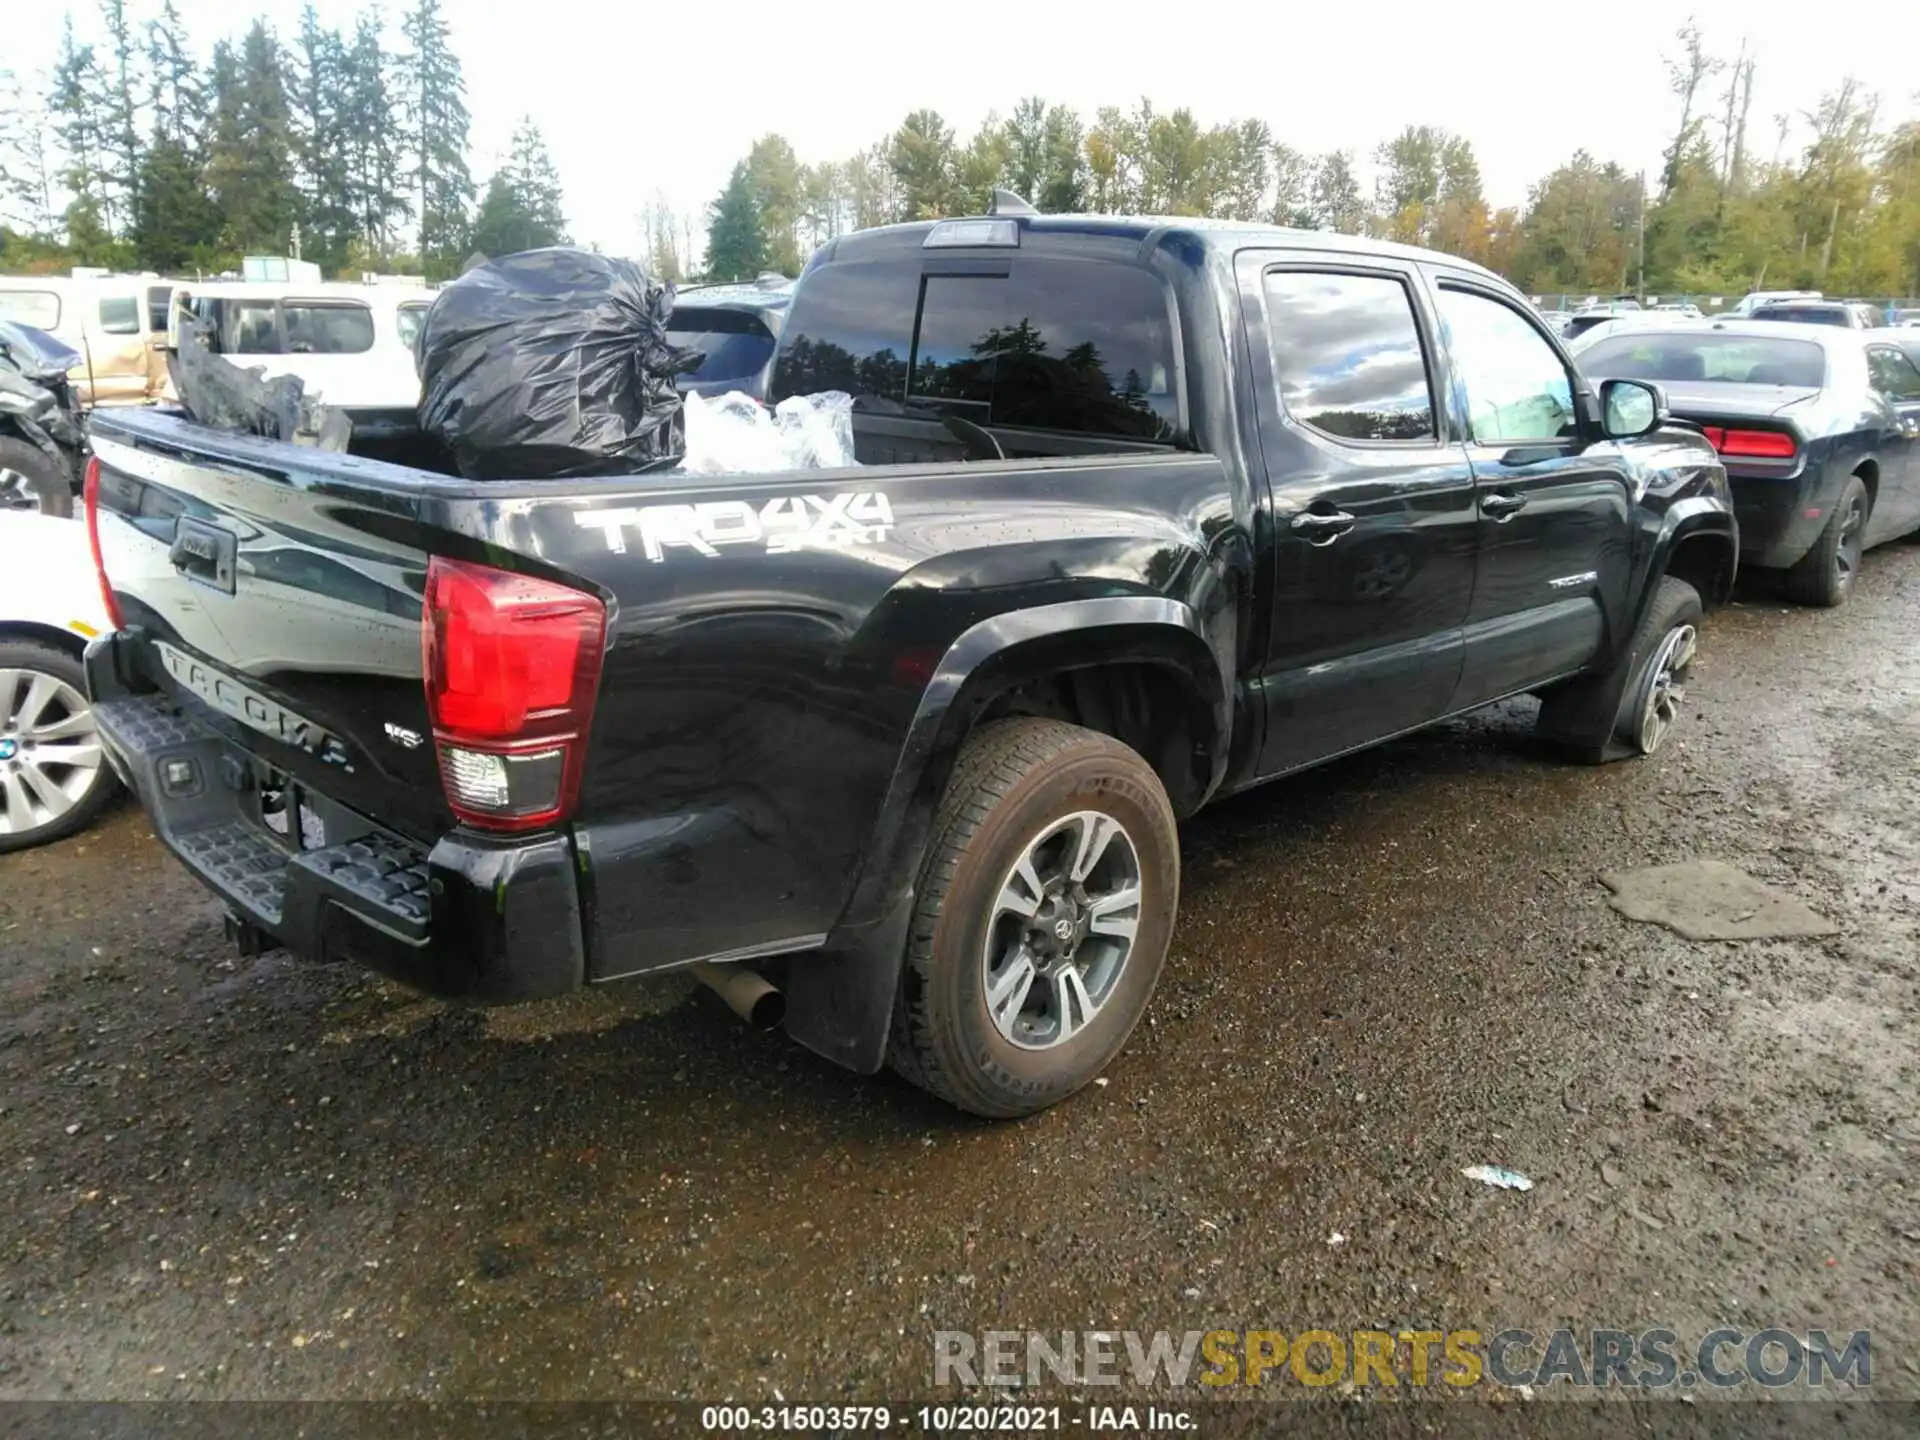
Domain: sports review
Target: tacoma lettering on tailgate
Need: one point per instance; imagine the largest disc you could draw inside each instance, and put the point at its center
(781, 526)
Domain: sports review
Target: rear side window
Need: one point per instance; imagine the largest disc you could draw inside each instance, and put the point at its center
(1347, 355)
(38, 308)
(409, 320)
(1055, 345)
(158, 298)
(120, 315)
(1894, 375)
(333, 329)
(255, 327)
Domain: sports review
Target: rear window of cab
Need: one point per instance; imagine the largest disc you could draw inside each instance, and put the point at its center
(1057, 345)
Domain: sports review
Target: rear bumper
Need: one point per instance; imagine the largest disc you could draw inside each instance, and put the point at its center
(469, 918)
(1776, 526)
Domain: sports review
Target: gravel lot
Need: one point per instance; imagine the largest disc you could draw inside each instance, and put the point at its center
(258, 1179)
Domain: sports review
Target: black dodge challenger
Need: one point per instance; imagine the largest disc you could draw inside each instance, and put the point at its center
(1819, 428)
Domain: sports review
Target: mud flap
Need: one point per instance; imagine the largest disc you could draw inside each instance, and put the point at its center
(840, 1000)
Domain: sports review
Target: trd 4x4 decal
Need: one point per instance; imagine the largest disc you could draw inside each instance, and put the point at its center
(781, 526)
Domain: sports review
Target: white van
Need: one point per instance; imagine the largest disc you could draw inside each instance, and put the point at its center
(351, 344)
(118, 323)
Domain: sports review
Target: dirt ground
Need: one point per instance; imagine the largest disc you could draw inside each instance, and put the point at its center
(258, 1179)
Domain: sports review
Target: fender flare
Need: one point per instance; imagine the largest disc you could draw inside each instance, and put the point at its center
(840, 999)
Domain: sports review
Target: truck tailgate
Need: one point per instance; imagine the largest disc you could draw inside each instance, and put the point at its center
(290, 612)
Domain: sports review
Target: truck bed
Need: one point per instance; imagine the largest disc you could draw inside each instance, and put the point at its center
(769, 645)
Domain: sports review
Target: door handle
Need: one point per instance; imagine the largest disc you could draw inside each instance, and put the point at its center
(1502, 507)
(1323, 527)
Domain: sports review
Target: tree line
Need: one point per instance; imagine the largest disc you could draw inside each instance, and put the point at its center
(349, 145)
(1738, 203)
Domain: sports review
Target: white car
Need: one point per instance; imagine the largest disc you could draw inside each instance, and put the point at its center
(53, 775)
(352, 345)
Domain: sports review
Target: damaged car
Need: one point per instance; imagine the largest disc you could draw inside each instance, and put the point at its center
(43, 434)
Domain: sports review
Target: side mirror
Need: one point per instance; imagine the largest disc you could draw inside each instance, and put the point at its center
(1631, 407)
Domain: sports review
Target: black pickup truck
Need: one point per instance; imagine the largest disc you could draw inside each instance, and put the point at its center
(1148, 512)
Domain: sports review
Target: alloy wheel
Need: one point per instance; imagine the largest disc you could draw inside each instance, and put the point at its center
(1062, 930)
(1666, 686)
(50, 754)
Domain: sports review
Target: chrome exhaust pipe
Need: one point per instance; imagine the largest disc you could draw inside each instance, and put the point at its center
(748, 993)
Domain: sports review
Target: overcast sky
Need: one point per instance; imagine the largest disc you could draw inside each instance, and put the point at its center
(639, 98)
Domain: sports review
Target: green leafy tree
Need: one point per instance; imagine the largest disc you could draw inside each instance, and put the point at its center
(1336, 201)
(921, 156)
(779, 190)
(736, 242)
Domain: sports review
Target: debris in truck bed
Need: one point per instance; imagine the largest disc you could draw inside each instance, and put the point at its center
(553, 362)
(218, 393)
(735, 433)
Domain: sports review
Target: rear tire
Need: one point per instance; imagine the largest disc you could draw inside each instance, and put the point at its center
(54, 777)
(1027, 964)
(30, 481)
(1824, 576)
(1588, 726)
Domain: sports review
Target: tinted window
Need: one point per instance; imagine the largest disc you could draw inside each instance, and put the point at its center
(1728, 359)
(409, 319)
(120, 315)
(1806, 314)
(158, 298)
(1894, 375)
(1056, 345)
(851, 329)
(255, 327)
(1347, 355)
(1517, 388)
(735, 344)
(313, 329)
(1079, 348)
(39, 308)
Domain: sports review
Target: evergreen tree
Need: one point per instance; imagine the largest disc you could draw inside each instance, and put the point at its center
(175, 221)
(328, 221)
(26, 167)
(177, 94)
(250, 150)
(77, 107)
(376, 183)
(120, 162)
(736, 246)
(435, 100)
(521, 209)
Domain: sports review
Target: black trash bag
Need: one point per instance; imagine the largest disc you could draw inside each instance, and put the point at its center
(549, 363)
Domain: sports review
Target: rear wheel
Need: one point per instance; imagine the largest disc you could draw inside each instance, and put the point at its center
(1826, 573)
(1045, 907)
(53, 774)
(29, 480)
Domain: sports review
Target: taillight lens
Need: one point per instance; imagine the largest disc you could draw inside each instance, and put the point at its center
(512, 667)
(1756, 444)
(107, 602)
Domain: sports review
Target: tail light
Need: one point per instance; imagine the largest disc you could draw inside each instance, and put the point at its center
(512, 668)
(1755, 444)
(107, 601)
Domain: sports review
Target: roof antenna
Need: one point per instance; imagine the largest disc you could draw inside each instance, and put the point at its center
(1005, 202)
